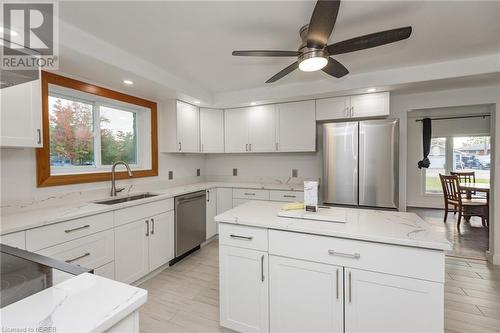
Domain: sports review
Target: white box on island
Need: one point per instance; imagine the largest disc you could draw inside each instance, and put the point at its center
(380, 271)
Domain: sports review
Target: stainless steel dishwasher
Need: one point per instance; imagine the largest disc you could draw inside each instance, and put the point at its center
(190, 222)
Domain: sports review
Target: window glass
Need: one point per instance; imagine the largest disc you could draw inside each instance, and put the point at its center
(473, 153)
(118, 136)
(437, 157)
(71, 125)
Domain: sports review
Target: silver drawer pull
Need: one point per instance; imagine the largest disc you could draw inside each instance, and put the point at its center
(241, 237)
(345, 255)
(76, 229)
(289, 196)
(248, 193)
(80, 257)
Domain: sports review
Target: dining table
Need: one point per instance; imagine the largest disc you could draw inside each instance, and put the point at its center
(472, 188)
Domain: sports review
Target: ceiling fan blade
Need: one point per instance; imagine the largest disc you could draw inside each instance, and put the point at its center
(264, 53)
(322, 21)
(368, 41)
(335, 68)
(284, 72)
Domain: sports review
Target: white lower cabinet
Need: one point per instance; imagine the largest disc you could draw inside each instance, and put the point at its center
(161, 239)
(142, 246)
(211, 211)
(377, 302)
(305, 296)
(244, 289)
(131, 251)
(107, 271)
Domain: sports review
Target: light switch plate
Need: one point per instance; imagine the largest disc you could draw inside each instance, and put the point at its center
(295, 173)
(235, 172)
(170, 175)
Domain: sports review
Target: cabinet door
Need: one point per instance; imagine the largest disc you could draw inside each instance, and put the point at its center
(211, 208)
(262, 128)
(16, 239)
(333, 108)
(376, 302)
(212, 130)
(188, 128)
(21, 115)
(236, 130)
(370, 105)
(131, 251)
(305, 296)
(161, 239)
(296, 126)
(224, 199)
(244, 289)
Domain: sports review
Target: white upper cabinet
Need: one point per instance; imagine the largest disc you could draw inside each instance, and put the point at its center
(236, 131)
(296, 127)
(370, 105)
(357, 106)
(212, 130)
(333, 108)
(262, 128)
(188, 127)
(21, 115)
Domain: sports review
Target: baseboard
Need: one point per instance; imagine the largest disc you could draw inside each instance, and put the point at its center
(493, 258)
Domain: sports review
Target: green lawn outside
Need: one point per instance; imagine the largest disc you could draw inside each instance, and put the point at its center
(433, 184)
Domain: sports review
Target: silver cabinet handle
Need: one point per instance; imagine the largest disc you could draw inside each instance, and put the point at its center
(76, 229)
(39, 135)
(350, 287)
(147, 228)
(246, 147)
(345, 255)
(249, 147)
(262, 268)
(180, 146)
(277, 146)
(337, 283)
(152, 226)
(289, 196)
(241, 237)
(352, 111)
(208, 195)
(249, 193)
(79, 257)
(347, 111)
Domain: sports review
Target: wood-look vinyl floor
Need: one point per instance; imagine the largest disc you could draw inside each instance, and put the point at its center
(185, 297)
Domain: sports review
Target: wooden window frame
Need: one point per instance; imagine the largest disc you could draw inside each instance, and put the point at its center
(44, 178)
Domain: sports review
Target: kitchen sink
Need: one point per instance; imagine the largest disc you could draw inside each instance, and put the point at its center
(126, 199)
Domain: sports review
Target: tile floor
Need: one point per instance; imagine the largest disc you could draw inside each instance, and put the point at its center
(185, 297)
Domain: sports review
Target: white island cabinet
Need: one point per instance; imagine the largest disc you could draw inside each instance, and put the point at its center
(375, 272)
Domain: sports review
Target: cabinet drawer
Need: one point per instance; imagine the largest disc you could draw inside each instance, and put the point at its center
(377, 257)
(90, 252)
(241, 193)
(243, 236)
(131, 214)
(40, 238)
(107, 270)
(290, 196)
(16, 239)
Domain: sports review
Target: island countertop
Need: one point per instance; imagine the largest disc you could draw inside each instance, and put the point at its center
(389, 227)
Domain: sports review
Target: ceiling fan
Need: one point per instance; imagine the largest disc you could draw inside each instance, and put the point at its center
(314, 53)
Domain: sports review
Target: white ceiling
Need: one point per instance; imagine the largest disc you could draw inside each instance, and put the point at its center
(193, 40)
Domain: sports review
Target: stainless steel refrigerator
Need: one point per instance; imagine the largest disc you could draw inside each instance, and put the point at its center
(361, 163)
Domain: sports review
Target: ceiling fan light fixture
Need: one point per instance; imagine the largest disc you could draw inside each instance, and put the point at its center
(312, 64)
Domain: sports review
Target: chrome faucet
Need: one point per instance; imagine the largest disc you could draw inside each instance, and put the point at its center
(114, 190)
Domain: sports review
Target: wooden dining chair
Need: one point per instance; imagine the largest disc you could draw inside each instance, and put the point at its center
(467, 177)
(455, 202)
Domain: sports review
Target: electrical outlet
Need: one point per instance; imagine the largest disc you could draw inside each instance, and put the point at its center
(170, 175)
(198, 172)
(235, 172)
(295, 173)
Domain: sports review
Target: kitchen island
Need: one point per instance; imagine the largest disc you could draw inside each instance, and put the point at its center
(373, 271)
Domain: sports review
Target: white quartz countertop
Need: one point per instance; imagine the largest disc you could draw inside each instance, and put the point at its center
(84, 303)
(389, 227)
(58, 212)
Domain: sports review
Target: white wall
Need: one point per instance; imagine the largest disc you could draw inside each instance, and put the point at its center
(416, 196)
